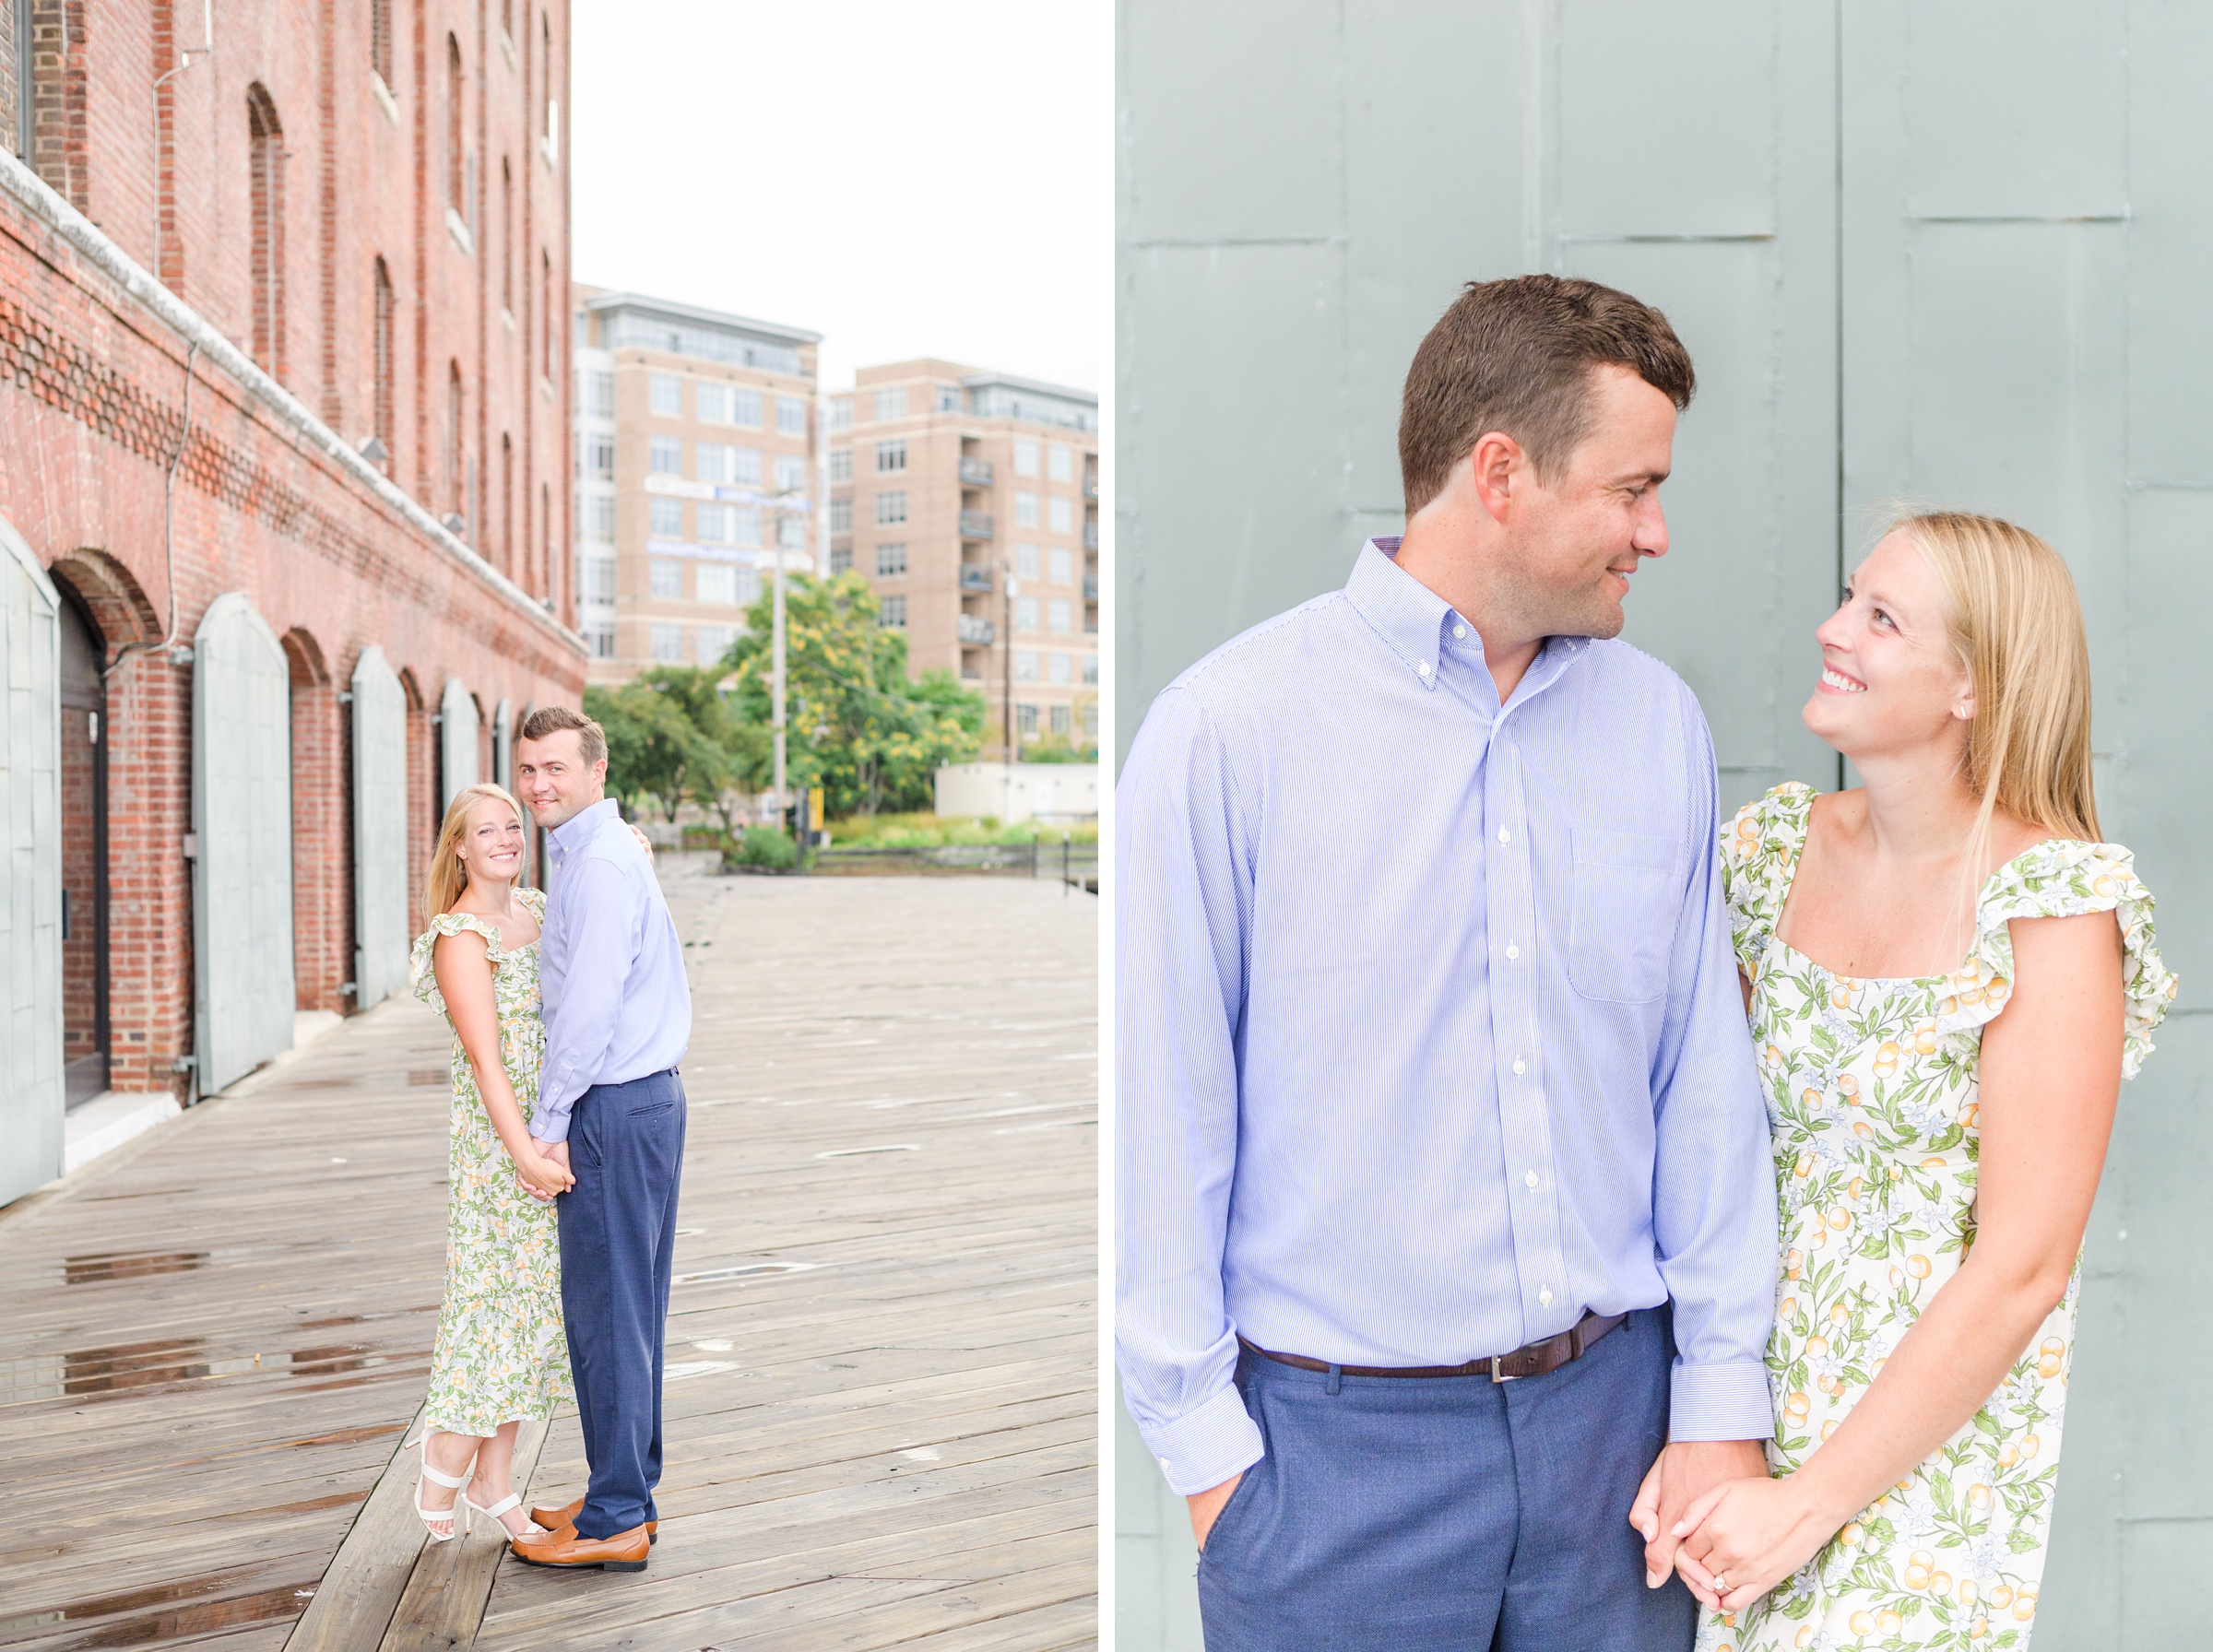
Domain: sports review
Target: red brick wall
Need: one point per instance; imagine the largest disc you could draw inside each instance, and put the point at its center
(92, 396)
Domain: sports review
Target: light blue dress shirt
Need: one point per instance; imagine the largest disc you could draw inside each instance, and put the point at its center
(1428, 1032)
(611, 968)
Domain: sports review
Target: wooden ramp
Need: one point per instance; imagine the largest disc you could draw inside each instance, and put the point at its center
(881, 1411)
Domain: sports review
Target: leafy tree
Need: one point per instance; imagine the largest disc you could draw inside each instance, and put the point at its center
(652, 747)
(861, 727)
(731, 756)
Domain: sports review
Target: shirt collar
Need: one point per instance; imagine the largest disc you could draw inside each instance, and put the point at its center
(581, 827)
(1412, 619)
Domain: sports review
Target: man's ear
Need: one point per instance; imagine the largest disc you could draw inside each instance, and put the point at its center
(1493, 468)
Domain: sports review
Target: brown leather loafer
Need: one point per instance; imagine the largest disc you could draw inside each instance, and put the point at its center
(553, 1519)
(626, 1552)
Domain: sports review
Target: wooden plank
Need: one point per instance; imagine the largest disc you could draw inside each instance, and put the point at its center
(444, 1601)
(362, 1587)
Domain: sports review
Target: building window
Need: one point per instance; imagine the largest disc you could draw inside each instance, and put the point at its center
(745, 525)
(599, 518)
(791, 416)
(745, 466)
(713, 403)
(1091, 721)
(595, 390)
(1062, 515)
(380, 40)
(1091, 668)
(266, 177)
(668, 575)
(1026, 457)
(891, 561)
(545, 304)
(1062, 462)
(841, 559)
(1025, 613)
(891, 508)
(949, 398)
(745, 408)
(716, 583)
(1025, 561)
(383, 347)
(664, 456)
(1063, 565)
(664, 518)
(665, 394)
(507, 236)
(596, 456)
(1025, 666)
(841, 465)
(597, 578)
(668, 642)
(455, 427)
(1062, 721)
(791, 530)
(507, 503)
(841, 515)
(891, 456)
(457, 164)
(1026, 510)
(891, 404)
(714, 525)
(1057, 612)
(714, 641)
(1025, 721)
(841, 413)
(719, 462)
(892, 614)
(1063, 669)
(602, 639)
(791, 473)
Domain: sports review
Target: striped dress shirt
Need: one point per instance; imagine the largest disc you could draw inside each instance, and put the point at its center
(1427, 1025)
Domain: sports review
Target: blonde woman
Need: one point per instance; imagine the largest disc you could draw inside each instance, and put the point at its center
(500, 1359)
(1947, 976)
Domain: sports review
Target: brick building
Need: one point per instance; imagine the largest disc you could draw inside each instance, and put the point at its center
(969, 501)
(284, 412)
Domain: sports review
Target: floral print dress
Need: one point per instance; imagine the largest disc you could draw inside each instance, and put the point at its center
(1872, 1091)
(500, 1353)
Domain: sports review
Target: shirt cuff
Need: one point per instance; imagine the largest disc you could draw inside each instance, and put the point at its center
(1725, 1401)
(549, 1125)
(1201, 1449)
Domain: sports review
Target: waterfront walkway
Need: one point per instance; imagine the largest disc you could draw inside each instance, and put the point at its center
(881, 1403)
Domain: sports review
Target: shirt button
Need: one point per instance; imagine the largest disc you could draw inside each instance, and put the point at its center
(1521, 1065)
(1531, 1178)
(1460, 631)
(1512, 951)
(1545, 1297)
(1505, 836)
(1423, 667)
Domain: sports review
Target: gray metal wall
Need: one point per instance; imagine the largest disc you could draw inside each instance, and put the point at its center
(1949, 249)
(31, 1099)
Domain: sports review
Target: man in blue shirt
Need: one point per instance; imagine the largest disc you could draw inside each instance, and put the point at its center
(1447, 1218)
(611, 1107)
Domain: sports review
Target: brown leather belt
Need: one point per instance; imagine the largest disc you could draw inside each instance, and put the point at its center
(1532, 1359)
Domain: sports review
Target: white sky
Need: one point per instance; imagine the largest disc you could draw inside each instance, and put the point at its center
(906, 177)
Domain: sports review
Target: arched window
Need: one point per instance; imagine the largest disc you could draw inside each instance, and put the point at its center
(457, 165)
(457, 478)
(545, 302)
(507, 236)
(266, 163)
(384, 348)
(380, 40)
(507, 504)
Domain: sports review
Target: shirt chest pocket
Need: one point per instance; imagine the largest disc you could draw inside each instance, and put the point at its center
(1622, 928)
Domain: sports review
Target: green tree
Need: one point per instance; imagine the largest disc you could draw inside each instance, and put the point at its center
(651, 746)
(732, 755)
(861, 727)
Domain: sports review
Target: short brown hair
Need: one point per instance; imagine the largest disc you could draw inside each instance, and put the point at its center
(551, 719)
(1515, 356)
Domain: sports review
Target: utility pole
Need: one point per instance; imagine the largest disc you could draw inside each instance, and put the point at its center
(1006, 665)
(782, 505)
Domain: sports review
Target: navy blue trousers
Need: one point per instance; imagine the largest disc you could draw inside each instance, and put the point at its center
(618, 1233)
(1406, 1515)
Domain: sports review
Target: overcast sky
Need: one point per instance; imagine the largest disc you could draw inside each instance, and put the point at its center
(906, 177)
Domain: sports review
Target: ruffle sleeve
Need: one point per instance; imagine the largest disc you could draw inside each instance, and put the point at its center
(418, 962)
(1759, 852)
(2062, 880)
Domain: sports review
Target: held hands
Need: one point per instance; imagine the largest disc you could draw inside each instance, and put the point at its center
(1686, 1471)
(1744, 1536)
(544, 1173)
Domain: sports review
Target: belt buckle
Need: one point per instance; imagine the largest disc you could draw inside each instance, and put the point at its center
(1497, 1376)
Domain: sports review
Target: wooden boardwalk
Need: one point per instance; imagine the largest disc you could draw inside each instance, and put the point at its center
(881, 1403)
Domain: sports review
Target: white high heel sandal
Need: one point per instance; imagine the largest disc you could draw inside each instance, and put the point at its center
(453, 1516)
(513, 1499)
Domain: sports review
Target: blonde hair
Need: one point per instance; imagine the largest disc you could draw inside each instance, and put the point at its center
(2016, 623)
(448, 876)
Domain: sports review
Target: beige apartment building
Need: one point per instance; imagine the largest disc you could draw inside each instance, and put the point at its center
(969, 501)
(695, 465)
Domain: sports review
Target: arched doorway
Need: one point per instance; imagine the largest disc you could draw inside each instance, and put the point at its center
(87, 1035)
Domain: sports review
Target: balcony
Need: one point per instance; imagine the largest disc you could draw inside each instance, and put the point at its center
(975, 473)
(1091, 587)
(1090, 535)
(981, 633)
(974, 576)
(975, 524)
(1091, 485)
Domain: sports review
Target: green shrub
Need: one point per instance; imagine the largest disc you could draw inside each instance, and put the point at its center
(764, 848)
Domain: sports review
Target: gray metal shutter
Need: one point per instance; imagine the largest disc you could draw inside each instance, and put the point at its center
(379, 829)
(457, 742)
(31, 873)
(241, 813)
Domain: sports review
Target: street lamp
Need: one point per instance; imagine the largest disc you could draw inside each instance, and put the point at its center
(786, 504)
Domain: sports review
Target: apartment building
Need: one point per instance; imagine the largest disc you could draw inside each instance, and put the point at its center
(969, 501)
(695, 468)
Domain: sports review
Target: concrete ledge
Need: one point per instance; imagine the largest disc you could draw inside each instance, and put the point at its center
(110, 1119)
